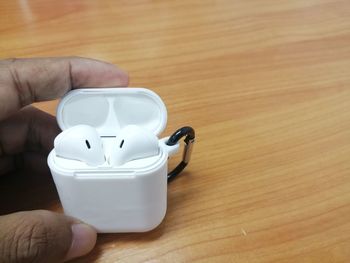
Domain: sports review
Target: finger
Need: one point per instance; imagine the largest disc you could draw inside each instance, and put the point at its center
(24, 81)
(33, 163)
(7, 164)
(43, 236)
(29, 129)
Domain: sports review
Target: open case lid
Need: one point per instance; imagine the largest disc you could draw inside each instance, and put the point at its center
(111, 109)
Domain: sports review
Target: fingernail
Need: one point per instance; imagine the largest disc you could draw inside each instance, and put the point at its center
(83, 240)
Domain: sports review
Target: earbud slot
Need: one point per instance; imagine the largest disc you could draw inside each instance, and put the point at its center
(90, 110)
(110, 109)
(138, 110)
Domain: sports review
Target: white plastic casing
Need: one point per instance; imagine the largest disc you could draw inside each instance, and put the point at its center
(128, 198)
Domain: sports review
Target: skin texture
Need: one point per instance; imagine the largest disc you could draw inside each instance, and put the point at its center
(26, 134)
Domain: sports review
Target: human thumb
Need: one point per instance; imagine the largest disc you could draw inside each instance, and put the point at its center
(43, 236)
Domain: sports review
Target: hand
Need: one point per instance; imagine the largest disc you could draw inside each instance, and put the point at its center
(42, 236)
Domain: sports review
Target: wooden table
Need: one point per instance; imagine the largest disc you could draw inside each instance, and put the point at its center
(266, 84)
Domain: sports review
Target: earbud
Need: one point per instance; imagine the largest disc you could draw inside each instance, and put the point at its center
(81, 142)
(133, 143)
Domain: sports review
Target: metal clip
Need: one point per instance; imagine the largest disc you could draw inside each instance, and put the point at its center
(186, 156)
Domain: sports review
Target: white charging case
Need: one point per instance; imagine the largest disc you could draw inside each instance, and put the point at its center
(128, 198)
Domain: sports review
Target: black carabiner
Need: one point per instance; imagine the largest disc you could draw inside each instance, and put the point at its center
(189, 141)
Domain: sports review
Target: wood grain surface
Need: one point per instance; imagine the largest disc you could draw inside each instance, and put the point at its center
(266, 84)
